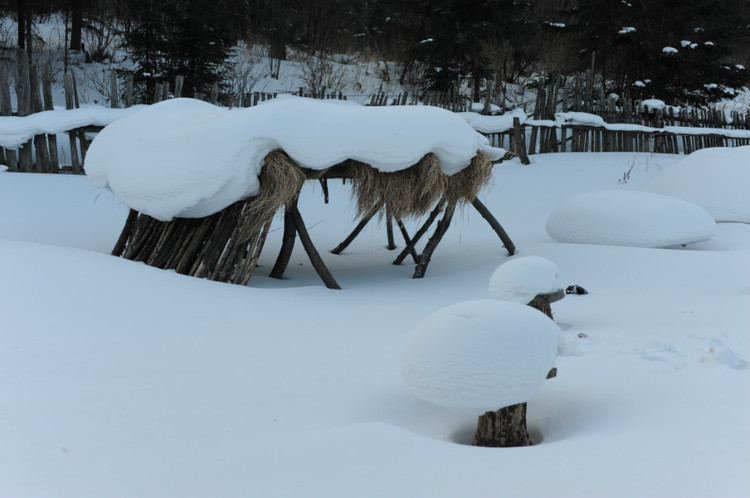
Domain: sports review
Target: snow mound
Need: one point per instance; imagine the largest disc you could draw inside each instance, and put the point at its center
(717, 179)
(520, 280)
(628, 218)
(188, 158)
(480, 355)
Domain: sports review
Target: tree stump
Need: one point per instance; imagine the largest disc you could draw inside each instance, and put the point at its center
(503, 428)
(543, 302)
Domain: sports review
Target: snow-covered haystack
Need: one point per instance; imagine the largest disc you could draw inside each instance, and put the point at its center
(717, 179)
(629, 218)
(204, 183)
(480, 356)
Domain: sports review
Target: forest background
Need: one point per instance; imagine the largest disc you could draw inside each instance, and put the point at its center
(683, 52)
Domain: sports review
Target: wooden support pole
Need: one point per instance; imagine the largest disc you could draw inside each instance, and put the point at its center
(287, 245)
(407, 241)
(437, 236)
(360, 226)
(410, 246)
(389, 231)
(310, 249)
(496, 226)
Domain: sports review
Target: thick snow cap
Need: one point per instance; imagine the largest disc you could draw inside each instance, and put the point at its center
(521, 279)
(188, 158)
(480, 355)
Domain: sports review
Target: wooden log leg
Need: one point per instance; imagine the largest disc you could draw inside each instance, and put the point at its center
(503, 428)
(407, 240)
(287, 245)
(360, 226)
(410, 246)
(389, 231)
(496, 226)
(442, 227)
(252, 261)
(310, 249)
(126, 233)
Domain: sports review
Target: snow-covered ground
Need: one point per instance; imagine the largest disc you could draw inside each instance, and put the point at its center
(118, 379)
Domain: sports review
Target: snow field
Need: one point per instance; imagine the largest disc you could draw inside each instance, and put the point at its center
(139, 382)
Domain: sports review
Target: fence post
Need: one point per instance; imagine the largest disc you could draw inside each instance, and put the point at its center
(6, 110)
(114, 98)
(23, 97)
(54, 161)
(40, 143)
(70, 104)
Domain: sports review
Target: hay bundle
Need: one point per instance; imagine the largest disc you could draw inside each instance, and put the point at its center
(280, 180)
(412, 192)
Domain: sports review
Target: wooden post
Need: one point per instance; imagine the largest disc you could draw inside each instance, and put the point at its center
(23, 95)
(70, 104)
(129, 90)
(179, 82)
(215, 94)
(6, 110)
(40, 142)
(114, 97)
(54, 161)
(519, 142)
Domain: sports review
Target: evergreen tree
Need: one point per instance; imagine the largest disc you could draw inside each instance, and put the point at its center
(167, 38)
(670, 49)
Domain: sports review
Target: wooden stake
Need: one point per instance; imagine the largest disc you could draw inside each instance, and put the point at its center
(442, 227)
(496, 226)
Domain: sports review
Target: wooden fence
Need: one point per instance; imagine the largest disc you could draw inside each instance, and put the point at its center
(536, 135)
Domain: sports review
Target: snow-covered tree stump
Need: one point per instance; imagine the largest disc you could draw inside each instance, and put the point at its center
(503, 428)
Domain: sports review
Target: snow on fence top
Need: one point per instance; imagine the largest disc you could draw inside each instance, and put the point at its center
(16, 131)
(504, 123)
(187, 158)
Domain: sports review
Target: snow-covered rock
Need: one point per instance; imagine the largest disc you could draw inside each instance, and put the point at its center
(188, 158)
(629, 218)
(717, 179)
(521, 279)
(480, 355)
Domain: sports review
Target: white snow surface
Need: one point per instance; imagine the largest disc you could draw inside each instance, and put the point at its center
(119, 379)
(717, 179)
(188, 158)
(479, 355)
(579, 118)
(520, 279)
(15, 130)
(641, 219)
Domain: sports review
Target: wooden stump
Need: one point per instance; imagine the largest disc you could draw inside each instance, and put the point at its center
(503, 428)
(543, 302)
